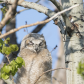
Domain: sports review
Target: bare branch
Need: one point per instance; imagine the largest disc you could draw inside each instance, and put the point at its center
(37, 1)
(57, 4)
(5, 19)
(54, 48)
(35, 6)
(40, 9)
(21, 11)
(42, 22)
(24, 26)
(18, 13)
(9, 14)
(39, 27)
(59, 7)
(49, 71)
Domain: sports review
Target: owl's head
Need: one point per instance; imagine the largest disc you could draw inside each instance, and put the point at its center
(34, 42)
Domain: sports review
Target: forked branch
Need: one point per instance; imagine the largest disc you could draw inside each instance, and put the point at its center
(42, 22)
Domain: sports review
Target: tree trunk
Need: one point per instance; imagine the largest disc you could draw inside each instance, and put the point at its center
(75, 43)
(13, 38)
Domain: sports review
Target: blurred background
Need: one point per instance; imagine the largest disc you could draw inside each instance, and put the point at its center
(50, 31)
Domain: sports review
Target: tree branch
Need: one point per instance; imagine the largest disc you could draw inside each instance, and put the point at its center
(42, 22)
(57, 4)
(49, 71)
(35, 6)
(5, 19)
(59, 7)
(39, 27)
(9, 14)
(64, 16)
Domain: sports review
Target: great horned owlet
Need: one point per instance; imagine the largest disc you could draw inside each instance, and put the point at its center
(37, 60)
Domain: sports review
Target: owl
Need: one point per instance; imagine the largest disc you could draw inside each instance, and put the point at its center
(37, 59)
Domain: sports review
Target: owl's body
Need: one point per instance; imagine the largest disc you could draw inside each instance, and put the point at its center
(37, 60)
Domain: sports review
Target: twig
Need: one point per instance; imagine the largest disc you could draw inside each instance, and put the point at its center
(57, 4)
(37, 1)
(59, 7)
(9, 63)
(7, 58)
(64, 11)
(18, 13)
(42, 22)
(21, 11)
(49, 71)
(26, 27)
(54, 48)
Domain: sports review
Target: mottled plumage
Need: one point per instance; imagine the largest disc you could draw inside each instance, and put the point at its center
(37, 60)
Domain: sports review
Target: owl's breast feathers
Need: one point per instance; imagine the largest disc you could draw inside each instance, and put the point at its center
(35, 65)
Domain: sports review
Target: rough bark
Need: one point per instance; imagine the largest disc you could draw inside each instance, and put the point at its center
(74, 44)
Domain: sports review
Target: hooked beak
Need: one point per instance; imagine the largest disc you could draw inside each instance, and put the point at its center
(36, 48)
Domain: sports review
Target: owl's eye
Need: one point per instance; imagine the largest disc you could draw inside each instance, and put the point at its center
(41, 44)
(31, 43)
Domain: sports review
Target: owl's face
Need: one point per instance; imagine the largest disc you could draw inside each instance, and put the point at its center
(34, 42)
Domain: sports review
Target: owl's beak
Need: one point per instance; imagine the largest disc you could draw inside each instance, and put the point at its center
(37, 48)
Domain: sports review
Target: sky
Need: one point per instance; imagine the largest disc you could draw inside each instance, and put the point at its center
(50, 31)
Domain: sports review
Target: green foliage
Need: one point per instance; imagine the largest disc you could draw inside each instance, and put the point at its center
(10, 69)
(7, 68)
(7, 41)
(7, 49)
(4, 73)
(5, 76)
(20, 61)
(4, 10)
(14, 47)
(1, 42)
(80, 68)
